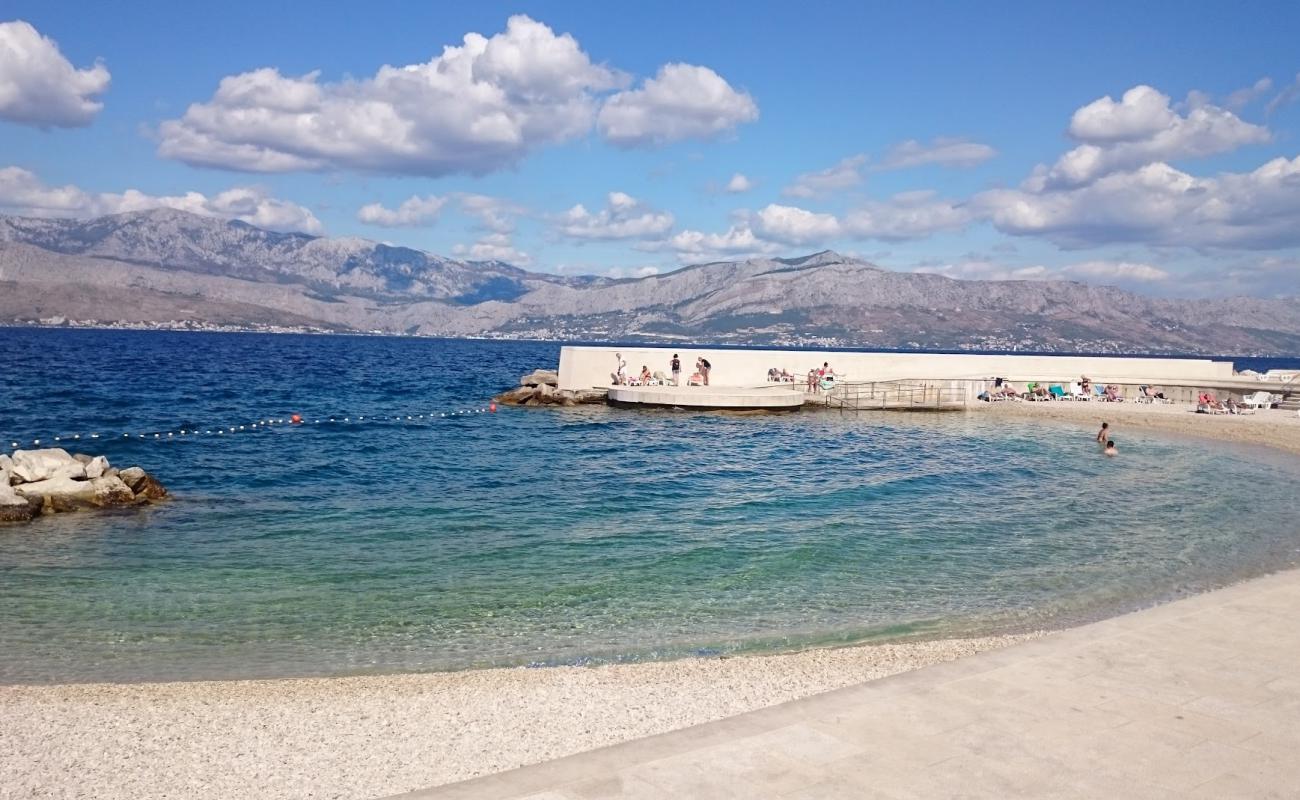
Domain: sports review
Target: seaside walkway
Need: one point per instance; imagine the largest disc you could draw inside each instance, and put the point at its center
(1198, 698)
(906, 395)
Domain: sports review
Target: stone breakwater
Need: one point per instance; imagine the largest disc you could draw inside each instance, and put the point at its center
(541, 388)
(35, 482)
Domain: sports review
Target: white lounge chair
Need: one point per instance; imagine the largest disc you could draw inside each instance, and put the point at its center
(1258, 400)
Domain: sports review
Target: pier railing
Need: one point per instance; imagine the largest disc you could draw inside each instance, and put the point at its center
(915, 395)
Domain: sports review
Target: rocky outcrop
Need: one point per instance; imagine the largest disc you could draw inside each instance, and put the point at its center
(541, 388)
(49, 481)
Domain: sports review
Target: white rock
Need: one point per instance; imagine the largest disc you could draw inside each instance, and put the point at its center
(96, 467)
(62, 493)
(39, 465)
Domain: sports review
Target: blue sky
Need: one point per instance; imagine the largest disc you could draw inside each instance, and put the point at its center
(1152, 146)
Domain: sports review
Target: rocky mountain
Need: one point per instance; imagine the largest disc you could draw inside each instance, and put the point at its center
(174, 269)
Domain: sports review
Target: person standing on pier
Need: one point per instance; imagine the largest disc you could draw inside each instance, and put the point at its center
(704, 366)
(676, 365)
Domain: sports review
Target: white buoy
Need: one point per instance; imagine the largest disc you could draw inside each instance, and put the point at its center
(56, 438)
(36, 441)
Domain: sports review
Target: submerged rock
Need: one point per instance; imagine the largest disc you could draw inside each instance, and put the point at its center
(13, 506)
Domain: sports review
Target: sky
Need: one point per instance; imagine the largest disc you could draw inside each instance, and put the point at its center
(1153, 146)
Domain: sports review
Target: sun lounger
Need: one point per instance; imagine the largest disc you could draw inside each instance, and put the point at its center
(1057, 392)
(1257, 401)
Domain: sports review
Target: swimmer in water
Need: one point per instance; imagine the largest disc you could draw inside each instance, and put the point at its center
(1103, 435)
(1110, 448)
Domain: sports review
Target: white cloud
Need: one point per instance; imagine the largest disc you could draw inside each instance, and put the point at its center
(909, 215)
(622, 218)
(795, 225)
(683, 101)
(1288, 95)
(739, 183)
(474, 108)
(844, 175)
(415, 211)
(1108, 272)
(1243, 97)
(38, 86)
(1158, 204)
(1142, 129)
(493, 247)
(692, 246)
(943, 151)
(1117, 272)
(23, 192)
(493, 213)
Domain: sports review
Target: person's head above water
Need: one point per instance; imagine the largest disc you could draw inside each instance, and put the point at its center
(1105, 425)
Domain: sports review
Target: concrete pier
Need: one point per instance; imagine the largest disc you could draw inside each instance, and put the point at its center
(773, 397)
(588, 367)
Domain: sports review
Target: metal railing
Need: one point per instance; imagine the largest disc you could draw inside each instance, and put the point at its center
(913, 395)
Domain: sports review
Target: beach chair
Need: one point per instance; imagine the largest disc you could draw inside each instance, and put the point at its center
(1098, 392)
(827, 382)
(1257, 401)
(1057, 392)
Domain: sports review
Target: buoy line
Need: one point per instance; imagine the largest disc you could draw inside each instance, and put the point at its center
(293, 420)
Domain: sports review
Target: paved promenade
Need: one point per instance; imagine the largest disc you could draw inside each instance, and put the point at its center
(1194, 699)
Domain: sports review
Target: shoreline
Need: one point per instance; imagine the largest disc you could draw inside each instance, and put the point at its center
(1271, 428)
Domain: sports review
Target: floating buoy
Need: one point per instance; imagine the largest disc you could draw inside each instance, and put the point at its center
(295, 419)
(492, 407)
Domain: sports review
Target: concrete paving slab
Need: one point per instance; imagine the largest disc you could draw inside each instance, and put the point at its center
(1196, 698)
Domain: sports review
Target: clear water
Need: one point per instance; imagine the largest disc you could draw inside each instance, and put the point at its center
(546, 536)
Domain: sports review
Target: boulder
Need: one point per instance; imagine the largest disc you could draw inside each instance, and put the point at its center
(515, 396)
(38, 465)
(82, 458)
(541, 377)
(543, 392)
(96, 467)
(65, 494)
(148, 489)
(14, 507)
(142, 484)
(131, 475)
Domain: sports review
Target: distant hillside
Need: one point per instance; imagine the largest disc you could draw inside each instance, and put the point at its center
(169, 267)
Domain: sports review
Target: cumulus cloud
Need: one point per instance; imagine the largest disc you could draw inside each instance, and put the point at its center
(844, 175)
(1158, 204)
(943, 151)
(493, 247)
(1142, 128)
(38, 86)
(693, 246)
(22, 192)
(475, 108)
(739, 183)
(478, 107)
(795, 225)
(415, 211)
(683, 101)
(624, 217)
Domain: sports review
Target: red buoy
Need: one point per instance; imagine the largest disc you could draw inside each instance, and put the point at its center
(295, 419)
(492, 407)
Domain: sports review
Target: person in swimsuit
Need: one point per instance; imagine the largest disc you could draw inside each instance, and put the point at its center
(1103, 435)
(676, 365)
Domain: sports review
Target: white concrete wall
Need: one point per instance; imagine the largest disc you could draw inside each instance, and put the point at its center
(587, 367)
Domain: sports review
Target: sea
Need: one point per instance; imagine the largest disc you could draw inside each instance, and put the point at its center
(404, 526)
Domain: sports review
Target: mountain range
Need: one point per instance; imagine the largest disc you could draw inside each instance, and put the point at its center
(168, 268)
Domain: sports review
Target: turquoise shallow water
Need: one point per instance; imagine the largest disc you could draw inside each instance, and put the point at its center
(569, 535)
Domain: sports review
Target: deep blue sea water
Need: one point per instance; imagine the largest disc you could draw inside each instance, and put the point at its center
(546, 536)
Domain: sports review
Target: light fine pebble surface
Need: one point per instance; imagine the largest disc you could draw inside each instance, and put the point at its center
(373, 736)
(1270, 427)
